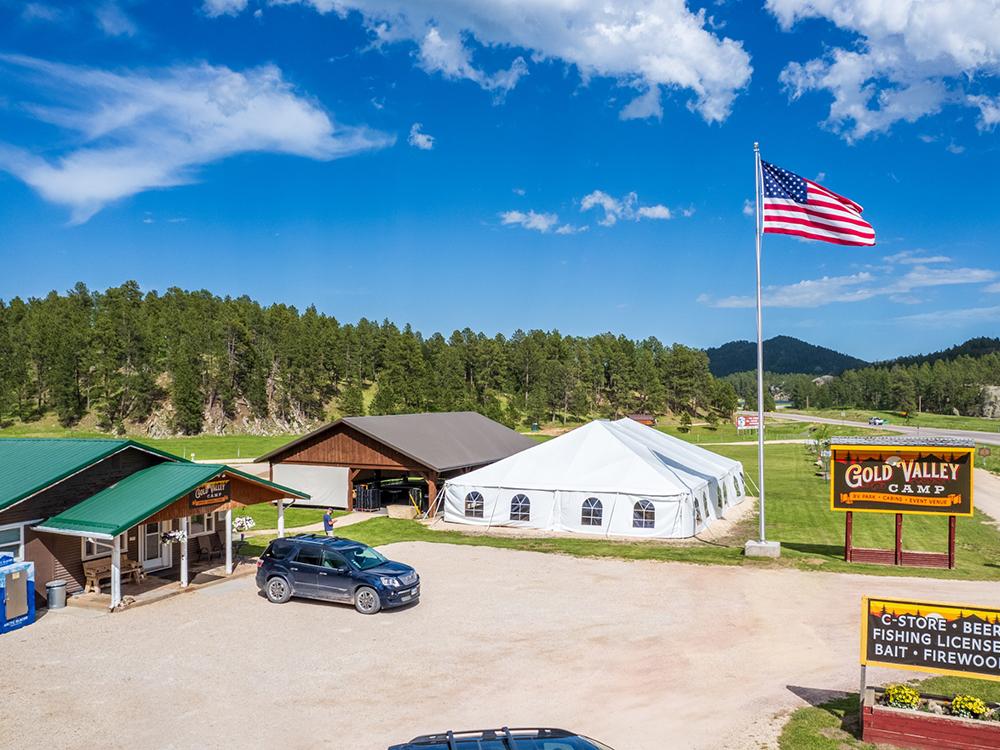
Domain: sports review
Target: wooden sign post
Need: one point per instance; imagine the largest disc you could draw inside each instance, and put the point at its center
(901, 476)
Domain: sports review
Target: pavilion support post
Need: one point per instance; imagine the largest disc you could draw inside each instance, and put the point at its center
(281, 517)
(184, 552)
(229, 541)
(116, 572)
(432, 493)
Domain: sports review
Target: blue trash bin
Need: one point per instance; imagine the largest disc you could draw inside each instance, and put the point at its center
(17, 594)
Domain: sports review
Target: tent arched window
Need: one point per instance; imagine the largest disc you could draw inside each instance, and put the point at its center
(520, 508)
(593, 512)
(474, 505)
(740, 489)
(723, 495)
(643, 515)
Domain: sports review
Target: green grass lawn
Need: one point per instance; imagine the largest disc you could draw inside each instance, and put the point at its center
(835, 725)
(774, 429)
(265, 516)
(204, 447)
(812, 535)
(923, 419)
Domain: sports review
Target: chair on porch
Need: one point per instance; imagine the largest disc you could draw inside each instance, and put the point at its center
(205, 548)
(218, 546)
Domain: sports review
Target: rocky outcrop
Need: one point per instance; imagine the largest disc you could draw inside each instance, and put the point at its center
(990, 404)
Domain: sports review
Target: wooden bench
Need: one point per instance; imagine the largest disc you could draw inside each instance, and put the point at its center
(96, 571)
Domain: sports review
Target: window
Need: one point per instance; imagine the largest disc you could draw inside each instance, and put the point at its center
(12, 542)
(201, 524)
(520, 508)
(474, 505)
(333, 560)
(310, 555)
(278, 550)
(93, 548)
(643, 515)
(723, 496)
(593, 512)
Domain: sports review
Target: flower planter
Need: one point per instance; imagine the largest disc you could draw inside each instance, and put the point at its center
(922, 730)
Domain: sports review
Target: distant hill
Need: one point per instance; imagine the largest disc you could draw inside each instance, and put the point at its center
(977, 347)
(782, 354)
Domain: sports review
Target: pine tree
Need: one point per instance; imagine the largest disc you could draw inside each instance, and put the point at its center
(352, 402)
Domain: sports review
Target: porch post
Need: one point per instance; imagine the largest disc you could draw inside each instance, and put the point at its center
(281, 517)
(229, 542)
(184, 552)
(116, 572)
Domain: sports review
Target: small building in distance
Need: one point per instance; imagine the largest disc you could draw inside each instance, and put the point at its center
(647, 419)
(391, 454)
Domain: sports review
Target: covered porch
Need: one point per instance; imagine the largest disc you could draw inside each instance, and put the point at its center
(163, 529)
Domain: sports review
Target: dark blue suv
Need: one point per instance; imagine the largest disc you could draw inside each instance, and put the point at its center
(336, 570)
(503, 739)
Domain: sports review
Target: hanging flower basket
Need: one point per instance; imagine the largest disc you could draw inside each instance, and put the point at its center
(173, 537)
(242, 524)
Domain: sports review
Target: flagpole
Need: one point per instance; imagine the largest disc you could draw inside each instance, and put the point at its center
(760, 349)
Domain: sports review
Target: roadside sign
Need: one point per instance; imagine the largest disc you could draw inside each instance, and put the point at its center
(952, 639)
(747, 421)
(211, 493)
(901, 479)
(984, 451)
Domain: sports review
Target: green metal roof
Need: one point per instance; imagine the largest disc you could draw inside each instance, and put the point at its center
(29, 465)
(139, 496)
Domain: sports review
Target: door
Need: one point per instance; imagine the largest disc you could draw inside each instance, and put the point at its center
(305, 570)
(154, 553)
(334, 581)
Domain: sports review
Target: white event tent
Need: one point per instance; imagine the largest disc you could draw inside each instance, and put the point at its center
(605, 478)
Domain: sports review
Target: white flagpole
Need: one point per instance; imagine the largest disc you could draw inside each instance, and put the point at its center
(758, 216)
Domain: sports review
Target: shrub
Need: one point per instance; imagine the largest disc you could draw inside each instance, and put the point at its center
(968, 706)
(901, 696)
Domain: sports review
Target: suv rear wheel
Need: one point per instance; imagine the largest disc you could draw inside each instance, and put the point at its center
(277, 590)
(366, 601)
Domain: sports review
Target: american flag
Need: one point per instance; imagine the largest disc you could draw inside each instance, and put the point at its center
(795, 205)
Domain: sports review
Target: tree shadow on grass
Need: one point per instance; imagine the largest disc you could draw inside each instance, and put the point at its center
(843, 706)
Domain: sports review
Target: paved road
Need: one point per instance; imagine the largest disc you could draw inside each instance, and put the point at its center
(978, 435)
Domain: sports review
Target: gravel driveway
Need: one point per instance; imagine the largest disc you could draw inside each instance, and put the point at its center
(643, 655)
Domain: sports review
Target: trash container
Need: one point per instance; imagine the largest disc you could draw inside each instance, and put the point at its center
(17, 594)
(55, 594)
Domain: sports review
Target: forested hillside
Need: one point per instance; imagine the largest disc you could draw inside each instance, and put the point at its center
(782, 354)
(187, 362)
(946, 386)
(976, 347)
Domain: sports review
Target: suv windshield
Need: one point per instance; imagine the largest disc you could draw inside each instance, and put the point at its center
(363, 558)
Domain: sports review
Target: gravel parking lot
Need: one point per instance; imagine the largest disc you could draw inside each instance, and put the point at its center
(642, 655)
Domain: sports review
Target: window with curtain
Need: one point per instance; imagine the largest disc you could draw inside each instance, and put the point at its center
(643, 515)
(520, 508)
(593, 512)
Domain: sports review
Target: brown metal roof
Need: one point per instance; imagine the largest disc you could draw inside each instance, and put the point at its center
(441, 441)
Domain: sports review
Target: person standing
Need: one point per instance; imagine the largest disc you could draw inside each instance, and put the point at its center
(328, 521)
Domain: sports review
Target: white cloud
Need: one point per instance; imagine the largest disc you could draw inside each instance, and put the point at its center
(624, 208)
(41, 12)
(529, 220)
(133, 131)
(113, 21)
(992, 288)
(748, 207)
(947, 318)
(857, 287)
(571, 229)
(419, 139)
(912, 258)
(989, 110)
(216, 8)
(643, 44)
(911, 58)
(645, 106)
(954, 148)
(519, 191)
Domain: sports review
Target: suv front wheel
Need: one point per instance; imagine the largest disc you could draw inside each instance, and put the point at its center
(366, 601)
(277, 590)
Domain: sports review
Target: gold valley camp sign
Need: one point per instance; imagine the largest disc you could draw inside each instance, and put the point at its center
(211, 493)
(901, 479)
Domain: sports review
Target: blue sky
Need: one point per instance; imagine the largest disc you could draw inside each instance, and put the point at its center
(510, 164)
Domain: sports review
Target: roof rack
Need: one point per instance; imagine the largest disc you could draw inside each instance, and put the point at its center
(505, 734)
